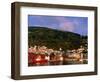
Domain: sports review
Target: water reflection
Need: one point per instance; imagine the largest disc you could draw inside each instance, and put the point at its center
(49, 63)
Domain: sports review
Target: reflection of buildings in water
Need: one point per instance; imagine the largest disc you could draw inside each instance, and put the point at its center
(56, 57)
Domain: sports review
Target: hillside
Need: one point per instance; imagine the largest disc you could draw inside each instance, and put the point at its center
(54, 39)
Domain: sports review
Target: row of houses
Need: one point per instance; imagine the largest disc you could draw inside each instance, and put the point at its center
(43, 53)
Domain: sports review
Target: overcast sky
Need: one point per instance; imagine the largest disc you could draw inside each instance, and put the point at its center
(73, 24)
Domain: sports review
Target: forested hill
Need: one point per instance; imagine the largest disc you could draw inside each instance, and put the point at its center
(54, 39)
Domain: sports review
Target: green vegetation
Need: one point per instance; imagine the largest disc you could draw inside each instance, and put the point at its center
(55, 39)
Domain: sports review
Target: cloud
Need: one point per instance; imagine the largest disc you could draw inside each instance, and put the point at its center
(65, 24)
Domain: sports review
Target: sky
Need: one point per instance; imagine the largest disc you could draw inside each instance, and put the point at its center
(65, 23)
